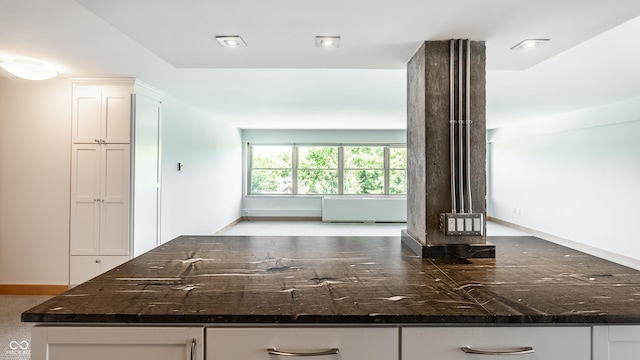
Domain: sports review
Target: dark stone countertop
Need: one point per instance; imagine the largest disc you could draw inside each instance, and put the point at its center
(350, 280)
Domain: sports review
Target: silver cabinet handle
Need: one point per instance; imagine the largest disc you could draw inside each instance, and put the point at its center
(332, 351)
(191, 349)
(521, 351)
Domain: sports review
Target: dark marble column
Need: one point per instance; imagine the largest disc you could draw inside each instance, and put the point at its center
(428, 144)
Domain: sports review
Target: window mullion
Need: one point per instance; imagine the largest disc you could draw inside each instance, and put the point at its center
(294, 170)
(340, 170)
(250, 168)
(387, 172)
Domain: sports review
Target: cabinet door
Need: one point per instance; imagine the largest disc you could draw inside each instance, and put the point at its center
(101, 115)
(87, 115)
(116, 117)
(548, 343)
(616, 342)
(121, 343)
(85, 199)
(114, 211)
(100, 199)
(349, 343)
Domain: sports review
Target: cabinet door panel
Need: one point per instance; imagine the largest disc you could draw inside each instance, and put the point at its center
(87, 114)
(114, 226)
(114, 222)
(253, 343)
(85, 195)
(548, 343)
(620, 342)
(86, 171)
(116, 172)
(117, 117)
(85, 238)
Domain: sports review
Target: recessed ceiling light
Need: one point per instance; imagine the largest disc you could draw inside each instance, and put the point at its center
(231, 41)
(327, 41)
(529, 44)
(29, 69)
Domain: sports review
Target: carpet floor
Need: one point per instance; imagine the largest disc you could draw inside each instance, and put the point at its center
(15, 336)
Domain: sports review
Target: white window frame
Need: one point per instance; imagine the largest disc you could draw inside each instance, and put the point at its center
(294, 168)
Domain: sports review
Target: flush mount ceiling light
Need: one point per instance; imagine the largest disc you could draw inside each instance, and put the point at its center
(231, 41)
(529, 44)
(327, 41)
(29, 69)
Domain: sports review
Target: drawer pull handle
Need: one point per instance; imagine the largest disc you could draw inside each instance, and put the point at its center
(522, 351)
(332, 351)
(191, 349)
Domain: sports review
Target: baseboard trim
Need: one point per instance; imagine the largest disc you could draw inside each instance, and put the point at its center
(588, 249)
(229, 226)
(32, 289)
(282, 218)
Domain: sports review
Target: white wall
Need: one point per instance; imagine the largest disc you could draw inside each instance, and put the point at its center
(206, 195)
(577, 184)
(303, 206)
(35, 162)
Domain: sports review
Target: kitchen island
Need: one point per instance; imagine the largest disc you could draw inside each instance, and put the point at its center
(372, 288)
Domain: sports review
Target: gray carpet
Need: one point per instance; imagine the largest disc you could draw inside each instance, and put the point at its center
(15, 336)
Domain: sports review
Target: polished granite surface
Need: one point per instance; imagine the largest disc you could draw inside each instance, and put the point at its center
(350, 280)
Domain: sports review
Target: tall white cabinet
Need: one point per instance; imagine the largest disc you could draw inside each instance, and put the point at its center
(103, 186)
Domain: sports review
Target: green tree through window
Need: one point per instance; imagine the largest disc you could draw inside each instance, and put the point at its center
(271, 170)
(317, 170)
(364, 170)
(327, 170)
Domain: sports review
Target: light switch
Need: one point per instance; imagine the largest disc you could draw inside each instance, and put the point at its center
(477, 224)
(180, 166)
(451, 225)
(468, 222)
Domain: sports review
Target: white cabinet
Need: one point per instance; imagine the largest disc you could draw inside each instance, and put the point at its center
(121, 343)
(339, 343)
(101, 113)
(99, 209)
(100, 199)
(87, 267)
(620, 342)
(523, 343)
(115, 180)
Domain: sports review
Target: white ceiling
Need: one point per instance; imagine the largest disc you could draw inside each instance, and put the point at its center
(282, 81)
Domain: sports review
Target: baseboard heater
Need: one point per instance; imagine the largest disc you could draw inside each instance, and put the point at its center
(347, 209)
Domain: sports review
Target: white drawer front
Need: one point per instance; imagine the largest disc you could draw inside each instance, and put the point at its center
(548, 343)
(83, 268)
(117, 343)
(253, 343)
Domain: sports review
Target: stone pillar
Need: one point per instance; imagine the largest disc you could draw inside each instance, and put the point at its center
(428, 148)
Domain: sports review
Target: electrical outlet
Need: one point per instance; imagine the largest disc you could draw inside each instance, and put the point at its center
(464, 224)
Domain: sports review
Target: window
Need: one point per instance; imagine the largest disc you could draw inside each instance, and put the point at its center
(327, 170)
(397, 170)
(364, 170)
(271, 170)
(317, 171)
